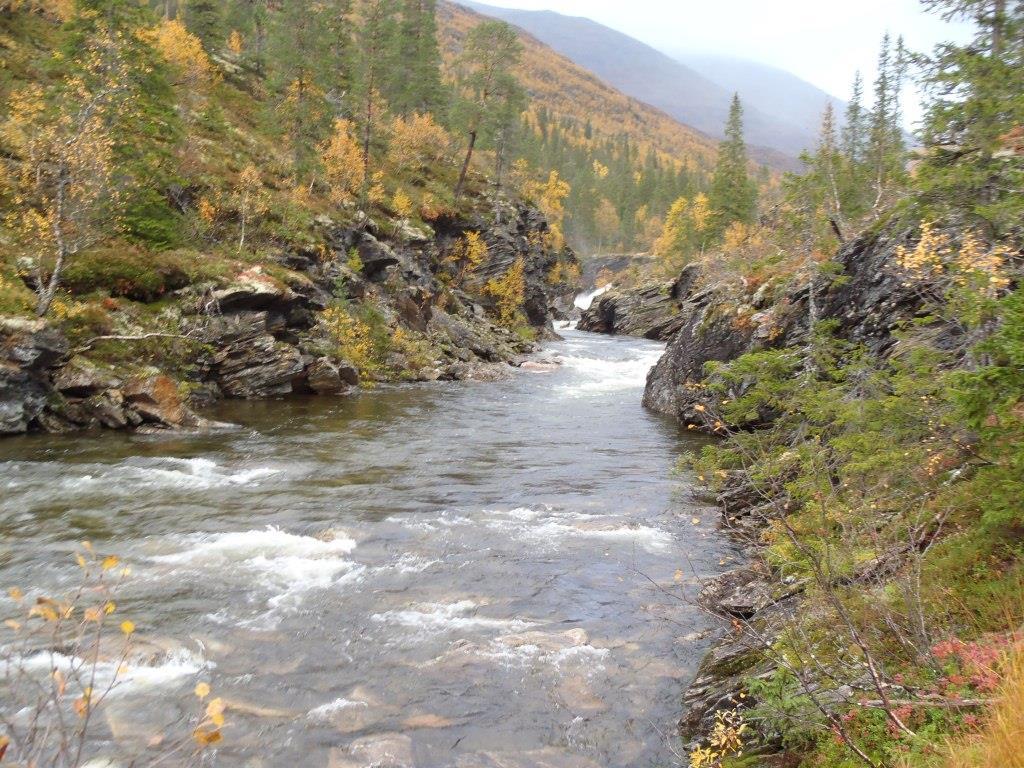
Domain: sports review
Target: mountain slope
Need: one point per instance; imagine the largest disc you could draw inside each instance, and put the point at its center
(566, 90)
(683, 92)
(767, 89)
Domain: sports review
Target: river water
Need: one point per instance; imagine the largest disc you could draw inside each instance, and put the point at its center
(477, 574)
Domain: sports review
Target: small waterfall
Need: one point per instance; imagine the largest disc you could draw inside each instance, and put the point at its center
(584, 300)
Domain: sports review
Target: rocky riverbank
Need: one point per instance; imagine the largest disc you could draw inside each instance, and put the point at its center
(867, 302)
(266, 331)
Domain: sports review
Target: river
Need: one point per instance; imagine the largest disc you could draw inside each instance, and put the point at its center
(471, 575)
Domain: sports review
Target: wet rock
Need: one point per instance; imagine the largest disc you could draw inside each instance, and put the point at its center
(417, 722)
(388, 750)
(740, 593)
(538, 366)
(324, 378)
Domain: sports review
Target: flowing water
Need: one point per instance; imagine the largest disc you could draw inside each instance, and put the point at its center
(437, 575)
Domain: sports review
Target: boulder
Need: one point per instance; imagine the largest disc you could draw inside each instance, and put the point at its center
(652, 311)
(157, 400)
(324, 378)
(253, 289)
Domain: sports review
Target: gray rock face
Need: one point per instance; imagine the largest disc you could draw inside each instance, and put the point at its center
(29, 350)
(257, 367)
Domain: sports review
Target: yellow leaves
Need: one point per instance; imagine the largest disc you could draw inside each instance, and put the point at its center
(184, 52)
(110, 562)
(343, 163)
(215, 711)
(470, 251)
(80, 559)
(127, 628)
(82, 703)
(401, 203)
(206, 737)
(109, 608)
(601, 171)
(550, 197)
(12, 625)
(509, 292)
(207, 210)
(416, 142)
(16, 594)
(45, 610)
(236, 43)
(208, 733)
(972, 263)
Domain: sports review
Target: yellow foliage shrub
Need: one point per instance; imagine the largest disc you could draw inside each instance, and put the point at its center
(417, 141)
(509, 292)
(343, 163)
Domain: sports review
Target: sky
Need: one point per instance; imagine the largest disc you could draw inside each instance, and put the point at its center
(822, 41)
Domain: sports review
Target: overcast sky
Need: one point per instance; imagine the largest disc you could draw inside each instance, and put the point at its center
(823, 41)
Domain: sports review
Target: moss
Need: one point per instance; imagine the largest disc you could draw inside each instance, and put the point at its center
(140, 275)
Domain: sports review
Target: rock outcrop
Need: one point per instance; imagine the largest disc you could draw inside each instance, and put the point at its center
(258, 333)
(869, 300)
(29, 351)
(651, 311)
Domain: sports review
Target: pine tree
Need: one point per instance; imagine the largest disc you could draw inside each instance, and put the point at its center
(420, 88)
(733, 193)
(492, 49)
(975, 163)
(374, 46)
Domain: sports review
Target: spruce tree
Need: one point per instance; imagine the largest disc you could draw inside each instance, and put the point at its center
(297, 39)
(974, 167)
(733, 193)
(886, 149)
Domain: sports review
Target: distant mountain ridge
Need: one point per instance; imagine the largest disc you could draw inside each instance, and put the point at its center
(782, 111)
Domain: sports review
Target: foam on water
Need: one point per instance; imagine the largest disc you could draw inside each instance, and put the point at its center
(603, 376)
(288, 565)
(436, 618)
(331, 708)
(546, 528)
(163, 473)
(132, 677)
